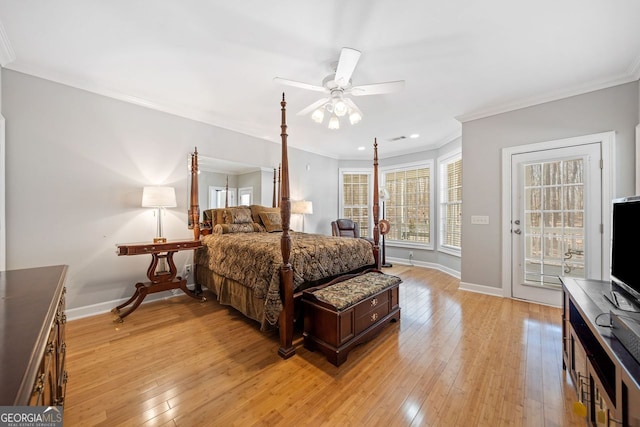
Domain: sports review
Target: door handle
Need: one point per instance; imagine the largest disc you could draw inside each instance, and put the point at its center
(517, 231)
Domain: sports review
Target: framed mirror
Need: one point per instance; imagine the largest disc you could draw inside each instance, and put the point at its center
(223, 183)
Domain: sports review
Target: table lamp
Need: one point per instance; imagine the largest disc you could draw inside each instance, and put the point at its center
(302, 207)
(159, 198)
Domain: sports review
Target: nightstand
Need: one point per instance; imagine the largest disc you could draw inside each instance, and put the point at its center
(158, 280)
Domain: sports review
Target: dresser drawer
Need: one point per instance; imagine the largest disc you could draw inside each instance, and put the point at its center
(45, 386)
(371, 304)
(370, 311)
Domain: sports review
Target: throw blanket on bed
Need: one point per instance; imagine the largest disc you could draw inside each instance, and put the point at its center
(254, 259)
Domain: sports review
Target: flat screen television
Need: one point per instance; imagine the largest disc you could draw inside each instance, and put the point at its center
(625, 245)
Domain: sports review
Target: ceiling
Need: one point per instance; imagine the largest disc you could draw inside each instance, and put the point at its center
(214, 61)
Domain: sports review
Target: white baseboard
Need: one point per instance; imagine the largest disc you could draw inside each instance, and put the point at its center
(481, 289)
(435, 266)
(105, 307)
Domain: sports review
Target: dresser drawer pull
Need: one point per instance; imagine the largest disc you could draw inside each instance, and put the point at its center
(374, 317)
(374, 302)
(39, 386)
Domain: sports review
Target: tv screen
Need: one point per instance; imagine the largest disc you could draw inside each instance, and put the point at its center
(625, 244)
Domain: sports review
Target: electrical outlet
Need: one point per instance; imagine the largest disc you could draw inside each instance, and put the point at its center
(187, 269)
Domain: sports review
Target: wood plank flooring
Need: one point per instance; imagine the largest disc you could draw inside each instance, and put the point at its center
(455, 359)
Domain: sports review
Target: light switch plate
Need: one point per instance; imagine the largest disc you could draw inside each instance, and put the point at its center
(479, 219)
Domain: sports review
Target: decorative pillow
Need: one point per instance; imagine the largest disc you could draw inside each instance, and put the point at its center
(237, 216)
(213, 216)
(271, 221)
(235, 228)
(256, 209)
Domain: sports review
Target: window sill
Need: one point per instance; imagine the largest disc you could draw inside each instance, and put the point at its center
(449, 251)
(407, 244)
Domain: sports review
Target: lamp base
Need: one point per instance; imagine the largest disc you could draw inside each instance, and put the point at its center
(159, 240)
(386, 265)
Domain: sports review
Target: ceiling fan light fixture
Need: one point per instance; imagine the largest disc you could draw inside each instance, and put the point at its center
(355, 117)
(318, 115)
(334, 122)
(339, 107)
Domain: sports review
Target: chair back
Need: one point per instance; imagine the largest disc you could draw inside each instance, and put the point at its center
(345, 228)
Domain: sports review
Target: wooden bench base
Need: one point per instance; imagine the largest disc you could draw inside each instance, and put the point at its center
(335, 332)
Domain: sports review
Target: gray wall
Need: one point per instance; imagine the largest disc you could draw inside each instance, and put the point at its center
(609, 109)
(76, 165)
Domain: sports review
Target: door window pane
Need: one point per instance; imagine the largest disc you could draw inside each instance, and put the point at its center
(554, 221)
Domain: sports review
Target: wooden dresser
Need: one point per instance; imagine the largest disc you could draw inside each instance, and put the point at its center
(32, 353)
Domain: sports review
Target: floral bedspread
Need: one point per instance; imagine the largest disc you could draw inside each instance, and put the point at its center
(254, 259)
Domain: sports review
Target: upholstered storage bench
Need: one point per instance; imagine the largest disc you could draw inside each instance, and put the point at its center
(349, 311)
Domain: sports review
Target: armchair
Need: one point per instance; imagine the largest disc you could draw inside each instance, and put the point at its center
(345, 228)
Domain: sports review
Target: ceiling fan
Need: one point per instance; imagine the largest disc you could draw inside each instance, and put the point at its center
(338, 85)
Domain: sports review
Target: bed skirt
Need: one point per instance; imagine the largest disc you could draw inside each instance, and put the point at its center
(232, 293)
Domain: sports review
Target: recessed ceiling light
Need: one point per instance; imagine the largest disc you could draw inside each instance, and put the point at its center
(361, 148)
(414, 135)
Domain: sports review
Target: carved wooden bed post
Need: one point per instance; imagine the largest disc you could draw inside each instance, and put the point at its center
(226, 193)
(286, 272)
(376, 206)
(273, 202)
(279, 183)
(194, 212)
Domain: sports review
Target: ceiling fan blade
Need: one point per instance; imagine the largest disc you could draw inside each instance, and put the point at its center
(301, 85)
(377, 88)
(346, 64)
(315, 105)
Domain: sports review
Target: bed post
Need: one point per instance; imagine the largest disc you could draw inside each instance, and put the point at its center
(226, 193)
(273, 202)
(194, 211)
(280, 181)
(286, 349)
(376, 206)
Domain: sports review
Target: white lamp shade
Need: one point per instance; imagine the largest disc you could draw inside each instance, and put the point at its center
(302, 207)
(334, 123)
(159, 197)
(355, 118)
(318, 115)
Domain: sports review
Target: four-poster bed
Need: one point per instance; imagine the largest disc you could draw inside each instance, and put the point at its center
(251, 272)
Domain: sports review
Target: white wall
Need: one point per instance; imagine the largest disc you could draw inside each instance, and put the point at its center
(609, 109)
(3, 229)
(76, 165)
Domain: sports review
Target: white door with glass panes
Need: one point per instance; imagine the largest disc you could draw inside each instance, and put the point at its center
(556, 220)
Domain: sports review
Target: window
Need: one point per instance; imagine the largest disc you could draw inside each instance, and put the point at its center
(355, 198)
(409, 206)
(245, 196)
(450, 197)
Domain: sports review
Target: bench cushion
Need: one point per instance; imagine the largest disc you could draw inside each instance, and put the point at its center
(349, 292)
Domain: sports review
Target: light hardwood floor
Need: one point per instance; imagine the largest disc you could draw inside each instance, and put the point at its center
(455, 358)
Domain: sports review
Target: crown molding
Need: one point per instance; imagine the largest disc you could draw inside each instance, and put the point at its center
(7, 54)
(634, 69)
(631, 75)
